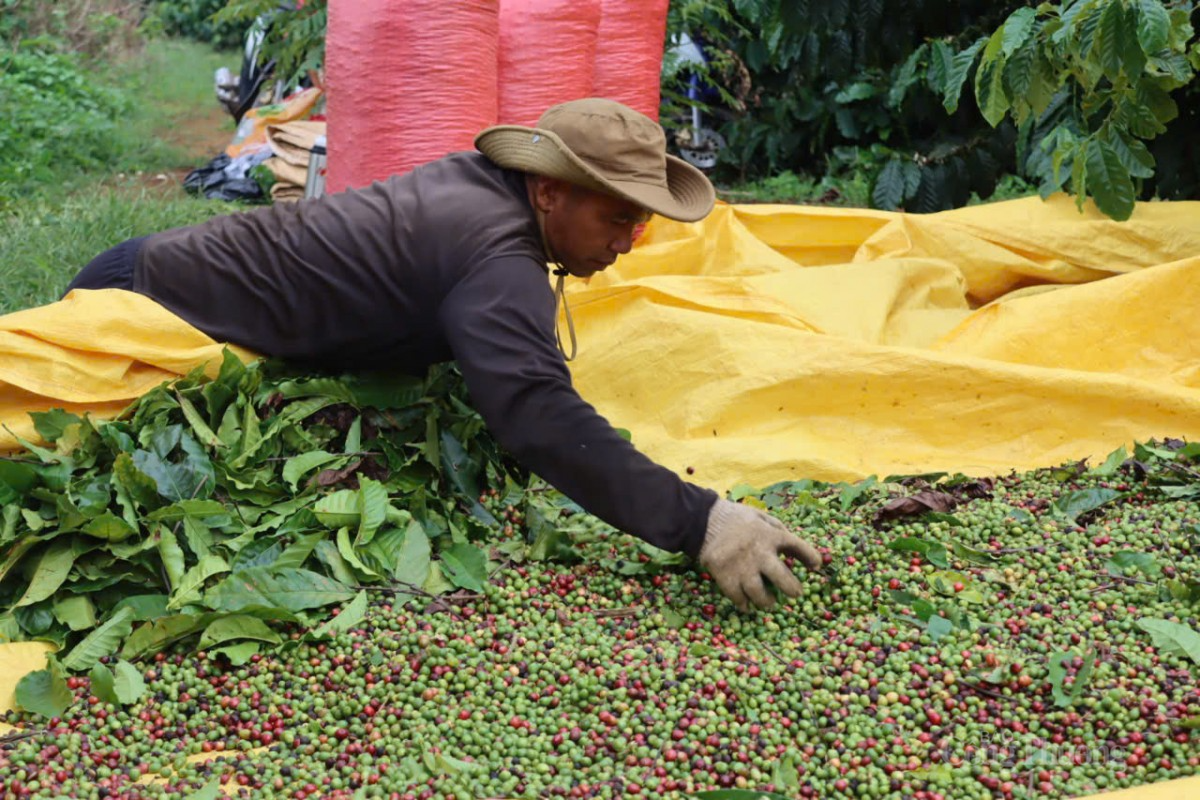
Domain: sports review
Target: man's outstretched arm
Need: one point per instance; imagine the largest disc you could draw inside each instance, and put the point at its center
(500, 325)
(499, 322)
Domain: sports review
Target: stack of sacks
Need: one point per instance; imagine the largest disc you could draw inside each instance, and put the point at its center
(531, 78)
(411, 82)
(599, 48)
(291, 144)
(408, 83)
(629, 53)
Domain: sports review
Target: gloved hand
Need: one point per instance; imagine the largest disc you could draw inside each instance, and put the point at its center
(742, 547)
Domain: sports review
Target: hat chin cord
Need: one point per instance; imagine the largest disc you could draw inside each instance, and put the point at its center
(560, 297)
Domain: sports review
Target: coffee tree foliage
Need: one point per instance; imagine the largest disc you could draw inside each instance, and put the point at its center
(194, 19)
(295, 34)
(939, 99)
(826, 85)
(1089, 82)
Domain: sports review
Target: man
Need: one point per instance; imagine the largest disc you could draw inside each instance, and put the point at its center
(449, 262)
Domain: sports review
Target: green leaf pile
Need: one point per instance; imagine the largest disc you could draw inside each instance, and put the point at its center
(220, 509)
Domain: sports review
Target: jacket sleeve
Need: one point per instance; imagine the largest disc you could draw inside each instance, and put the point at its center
(499, 323)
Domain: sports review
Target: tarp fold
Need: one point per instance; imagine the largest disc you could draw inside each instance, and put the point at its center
(772, 343)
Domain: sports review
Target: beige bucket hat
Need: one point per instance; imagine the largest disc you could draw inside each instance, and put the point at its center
(608, 147)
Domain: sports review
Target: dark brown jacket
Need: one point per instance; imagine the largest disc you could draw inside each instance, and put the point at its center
(442, 263)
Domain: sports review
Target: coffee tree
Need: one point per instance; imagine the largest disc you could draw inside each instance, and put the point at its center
(879, 88)
(1088, 83)
(850, 88)
(295, 36)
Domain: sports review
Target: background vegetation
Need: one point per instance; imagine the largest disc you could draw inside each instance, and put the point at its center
(928, 104)
(886, 91)
(856, 102)
(99, 118)
(196, 19)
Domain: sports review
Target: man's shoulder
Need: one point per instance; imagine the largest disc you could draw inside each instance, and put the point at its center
(484, 208)
(468, 166)
(458, 184)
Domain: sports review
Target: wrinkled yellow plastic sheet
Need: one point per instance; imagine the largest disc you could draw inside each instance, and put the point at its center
(94, 351)
(774, 343)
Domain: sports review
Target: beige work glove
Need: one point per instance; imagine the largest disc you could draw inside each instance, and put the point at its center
(742, 547)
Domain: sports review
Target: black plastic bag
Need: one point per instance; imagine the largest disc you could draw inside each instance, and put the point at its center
(214, 182)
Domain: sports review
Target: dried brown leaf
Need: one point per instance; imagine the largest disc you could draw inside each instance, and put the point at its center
(919, 503)
(331, 477)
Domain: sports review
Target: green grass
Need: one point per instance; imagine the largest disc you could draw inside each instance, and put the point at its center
(169, 80)
(46, 243)
(1009, 187)
(60, 224)
(788, 187)
(166, 82)
(853, 191)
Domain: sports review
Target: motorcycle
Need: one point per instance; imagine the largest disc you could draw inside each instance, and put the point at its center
(253, 85)
(695, 138)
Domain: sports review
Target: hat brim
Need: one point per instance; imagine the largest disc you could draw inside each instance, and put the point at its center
(687, 197)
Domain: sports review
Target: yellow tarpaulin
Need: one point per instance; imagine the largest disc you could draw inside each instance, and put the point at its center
(778, 342)
(771, 343)
(17, 659)
(93, 351)
(1181, 789)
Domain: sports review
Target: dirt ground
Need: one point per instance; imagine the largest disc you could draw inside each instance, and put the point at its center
(203, 133)
(200, 136)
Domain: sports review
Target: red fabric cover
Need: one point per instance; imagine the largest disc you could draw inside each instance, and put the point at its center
(629, 53)
(547, 55)
(408, 82)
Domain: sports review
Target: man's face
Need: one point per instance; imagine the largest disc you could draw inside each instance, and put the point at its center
(587, 230)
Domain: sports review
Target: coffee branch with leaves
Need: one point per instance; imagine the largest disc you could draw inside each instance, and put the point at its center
(1102, 73)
